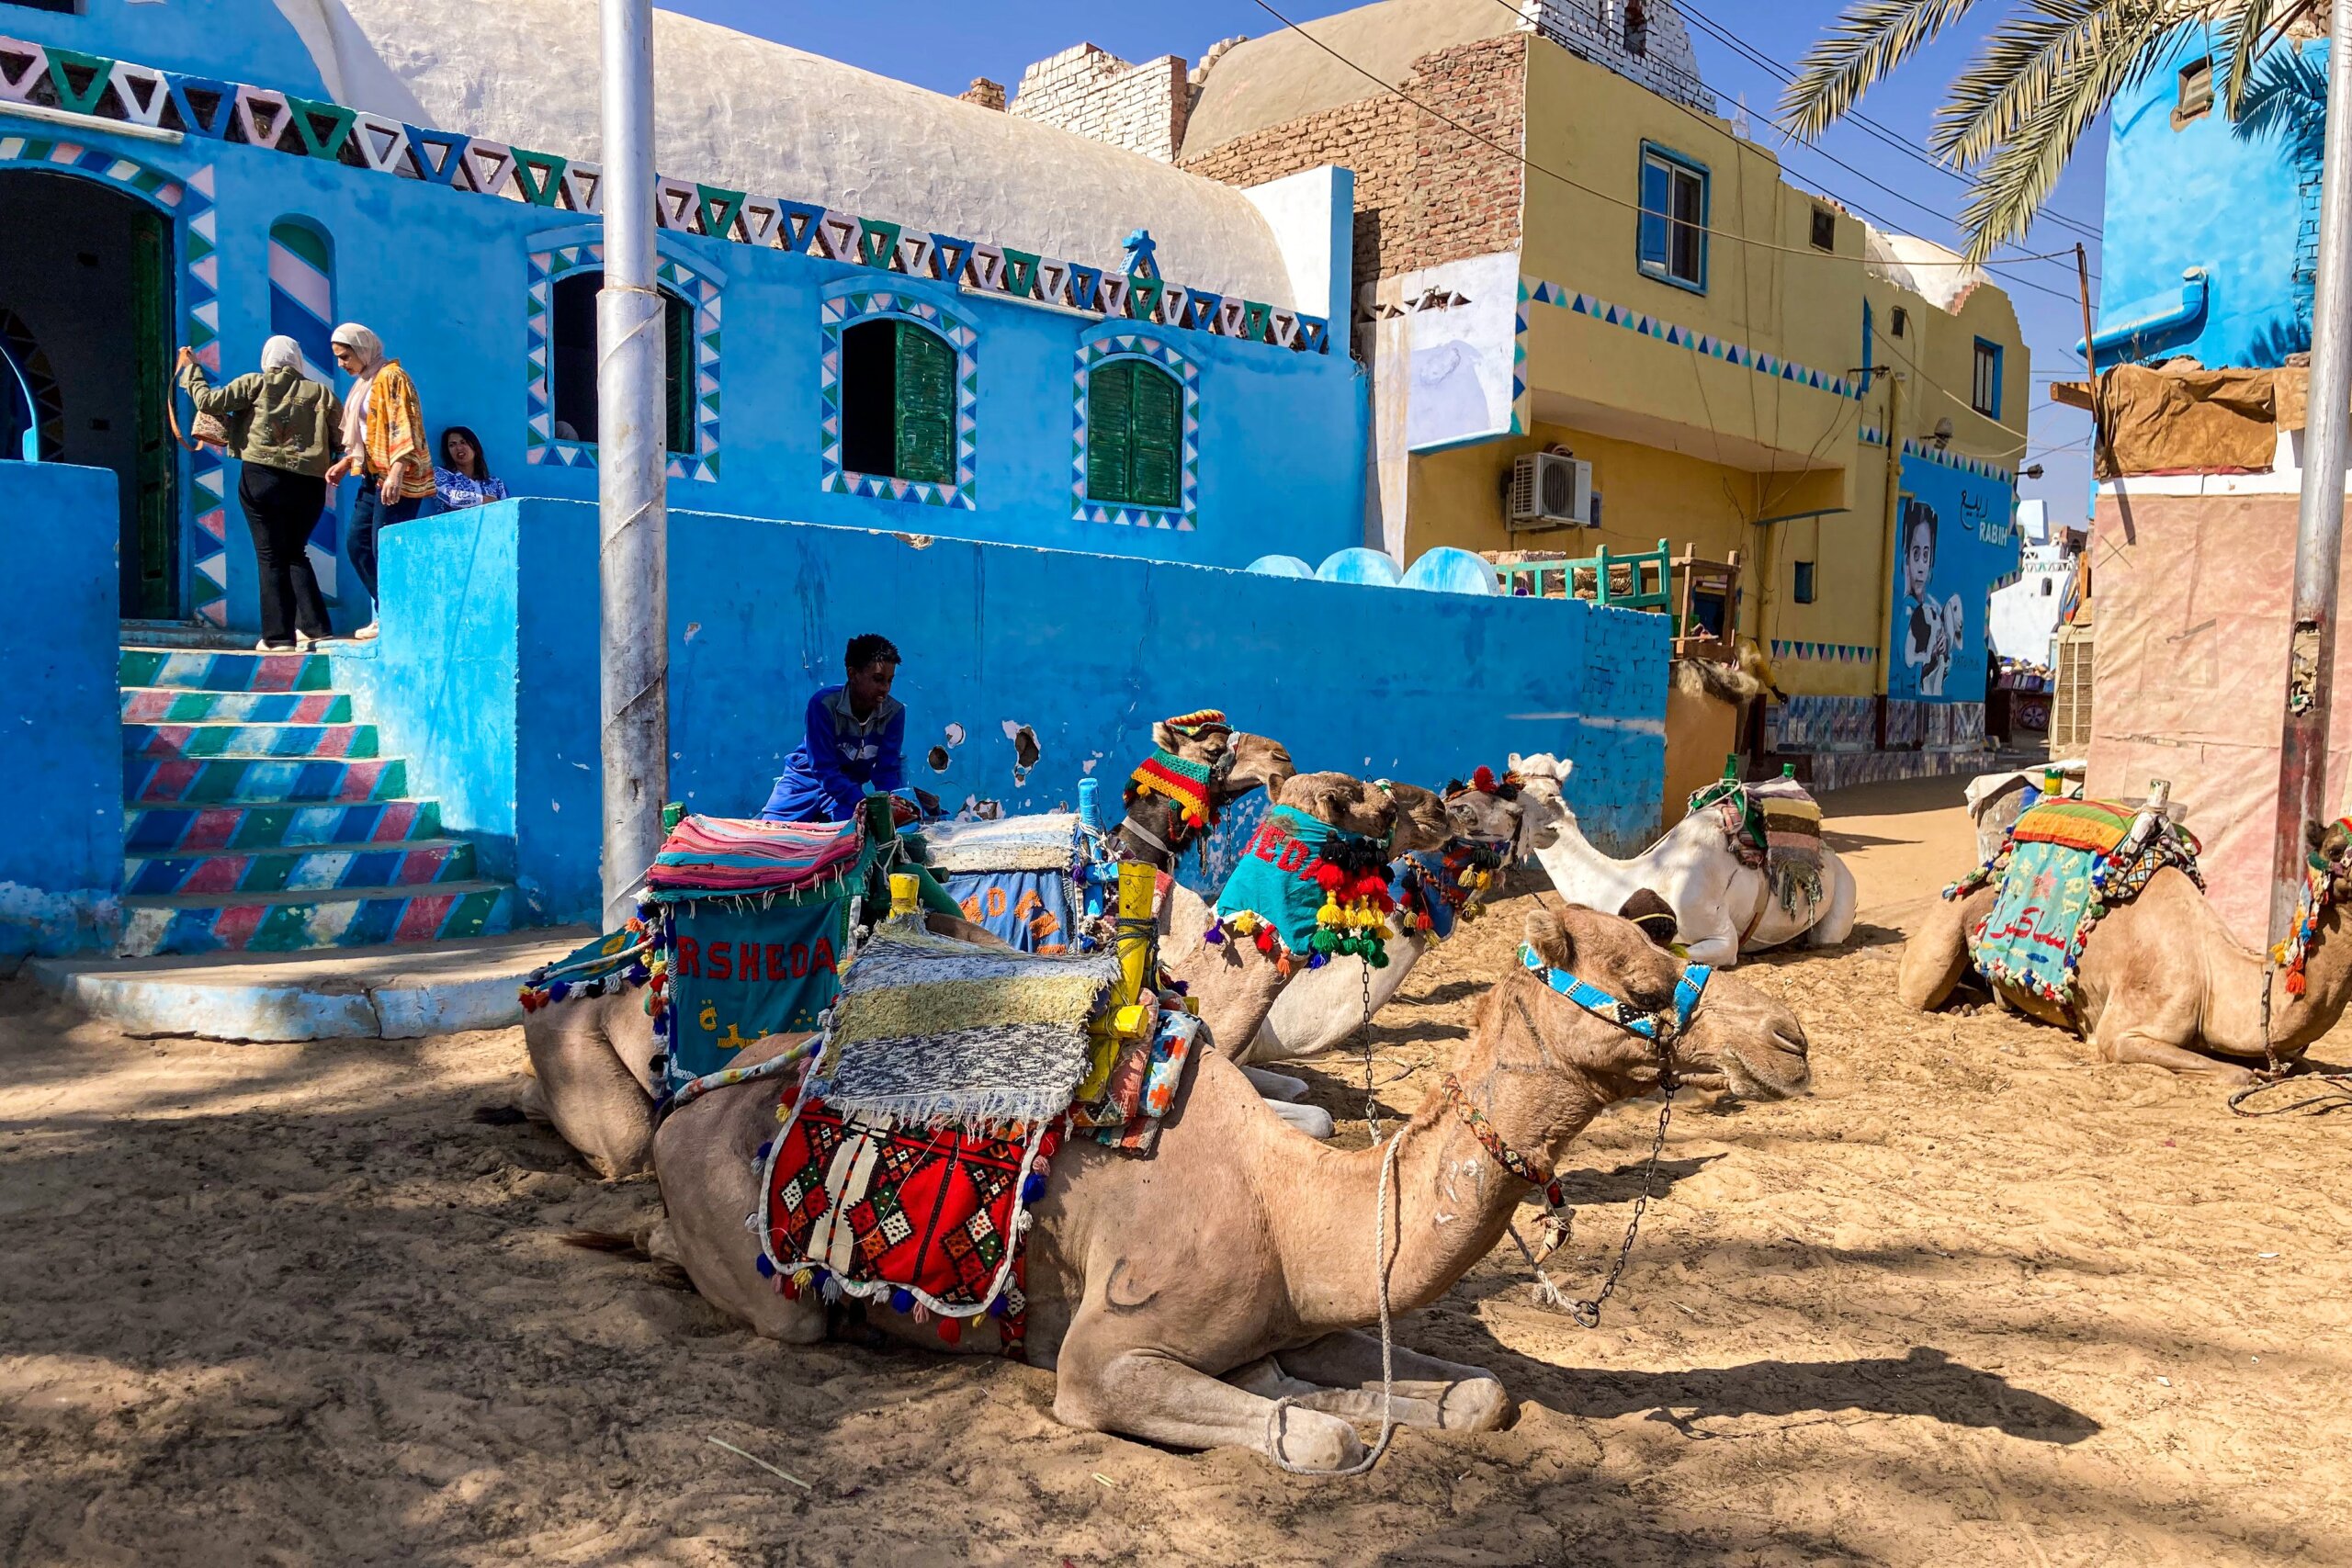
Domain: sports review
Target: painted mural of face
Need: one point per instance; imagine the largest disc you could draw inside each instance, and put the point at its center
(1918, 560)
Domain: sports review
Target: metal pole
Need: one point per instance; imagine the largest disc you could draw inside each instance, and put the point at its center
(632, 564)
(2319, 529)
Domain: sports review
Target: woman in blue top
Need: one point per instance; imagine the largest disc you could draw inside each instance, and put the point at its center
(855, 744)
(462, 477)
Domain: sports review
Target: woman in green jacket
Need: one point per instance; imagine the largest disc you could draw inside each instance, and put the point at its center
(282, 427)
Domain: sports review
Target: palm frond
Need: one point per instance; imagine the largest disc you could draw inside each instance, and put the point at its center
(1991, 99)
(2116, 49)
(2241, 37)
(1866, 44)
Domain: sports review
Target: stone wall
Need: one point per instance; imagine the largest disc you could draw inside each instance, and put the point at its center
(1425, 191)
(1095, 93)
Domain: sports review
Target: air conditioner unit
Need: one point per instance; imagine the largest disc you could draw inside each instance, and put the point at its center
(1549, 490)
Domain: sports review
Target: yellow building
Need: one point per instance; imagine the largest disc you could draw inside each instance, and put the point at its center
(1561, 247)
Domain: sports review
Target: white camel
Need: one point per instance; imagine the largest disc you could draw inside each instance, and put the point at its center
(1723, 907)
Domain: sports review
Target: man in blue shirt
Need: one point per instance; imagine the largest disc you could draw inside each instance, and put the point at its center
(856, 738)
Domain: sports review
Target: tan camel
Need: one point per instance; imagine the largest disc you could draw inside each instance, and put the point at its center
(2161, 980)
(592, 1058)
(1234, 984)
(1178, 1298)
(1323, 1010)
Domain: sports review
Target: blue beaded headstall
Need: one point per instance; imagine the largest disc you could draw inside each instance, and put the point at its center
(1623, 1013)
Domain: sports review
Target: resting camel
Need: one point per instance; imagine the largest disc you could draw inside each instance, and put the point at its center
(1234, 984)
(1723, 907)
(2161, 980)
(592, 1058)
(1322, 1009)
(1184, 1298)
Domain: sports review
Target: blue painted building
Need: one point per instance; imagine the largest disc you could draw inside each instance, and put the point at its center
(1022, 399)
(887, 307)
(2211, 238)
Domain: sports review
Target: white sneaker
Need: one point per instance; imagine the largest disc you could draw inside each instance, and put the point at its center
(366, 633)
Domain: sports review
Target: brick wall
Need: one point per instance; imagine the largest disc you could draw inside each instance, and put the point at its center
(1094, 93)
(987, 94)
(1424, 192)
(1596, 30)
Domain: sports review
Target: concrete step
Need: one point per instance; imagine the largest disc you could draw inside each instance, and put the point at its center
(260, 782)
(165, 704)
(293, 921)
(198, 830)
(249, 741)
(386, 993)
(202, 669)
(185, 635)
(416, 862)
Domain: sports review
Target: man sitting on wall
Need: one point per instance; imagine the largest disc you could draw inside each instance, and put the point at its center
(855, 744)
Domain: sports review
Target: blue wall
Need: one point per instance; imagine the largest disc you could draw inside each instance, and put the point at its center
(1975, 545)
(444, 276)
(2234, 199)
(485, 676)
(60, 793)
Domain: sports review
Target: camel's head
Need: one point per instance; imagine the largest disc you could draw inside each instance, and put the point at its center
(1422, 820)
(2331, 842)
(1259, 762)
(1738, 1038)
(1348, 804)
(1544, 811)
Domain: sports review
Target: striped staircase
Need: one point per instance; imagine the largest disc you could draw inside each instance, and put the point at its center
(260, 816)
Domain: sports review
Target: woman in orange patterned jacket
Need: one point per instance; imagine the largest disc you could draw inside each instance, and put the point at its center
(384, 442)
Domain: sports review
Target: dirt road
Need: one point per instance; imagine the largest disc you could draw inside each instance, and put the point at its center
(1978, 1301)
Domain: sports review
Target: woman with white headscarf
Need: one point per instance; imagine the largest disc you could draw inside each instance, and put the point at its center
(285, 429)
(383, 443)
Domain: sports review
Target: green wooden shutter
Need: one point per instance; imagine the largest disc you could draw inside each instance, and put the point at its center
(927, 412)
(1156, 469)
(1110, 427)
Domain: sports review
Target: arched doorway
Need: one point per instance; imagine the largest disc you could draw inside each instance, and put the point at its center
(87, 271)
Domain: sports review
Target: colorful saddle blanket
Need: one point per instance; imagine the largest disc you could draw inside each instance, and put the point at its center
(1309, 887)
(2061, 869)
(610, 961)
(1773, 825)
(931, 1031)
(1012, 877)
(709, 856)
(929, 1218)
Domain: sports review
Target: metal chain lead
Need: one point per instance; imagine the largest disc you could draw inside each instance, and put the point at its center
(1588, 1313)
(1364, 1032)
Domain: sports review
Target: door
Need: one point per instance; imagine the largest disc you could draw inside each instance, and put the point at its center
(150, 555)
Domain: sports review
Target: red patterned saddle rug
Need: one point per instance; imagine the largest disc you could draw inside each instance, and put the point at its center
(931, 1218)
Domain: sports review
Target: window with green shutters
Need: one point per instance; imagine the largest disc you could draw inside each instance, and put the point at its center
(1135, 435)
(897, 401)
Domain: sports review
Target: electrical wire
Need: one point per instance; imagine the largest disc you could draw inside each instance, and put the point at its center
(1772, 67)
(1940, 215)
(1524, 162)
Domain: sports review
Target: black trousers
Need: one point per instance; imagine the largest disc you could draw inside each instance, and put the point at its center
(281, 508)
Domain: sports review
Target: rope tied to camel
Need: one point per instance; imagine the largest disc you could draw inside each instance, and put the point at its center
(1380, 1265)
(2291, 956)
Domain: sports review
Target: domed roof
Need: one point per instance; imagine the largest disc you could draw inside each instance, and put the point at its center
(744, 113)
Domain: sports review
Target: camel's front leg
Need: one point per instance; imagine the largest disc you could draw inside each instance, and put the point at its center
(2132, 1046)
(1937, 956)
(1143, 1393)
(1836, 921)
(1428, 1392)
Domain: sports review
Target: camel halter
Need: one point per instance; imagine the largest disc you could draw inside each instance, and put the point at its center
(1559, 1220)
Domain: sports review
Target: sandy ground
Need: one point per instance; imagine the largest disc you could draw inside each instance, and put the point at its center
(1980, 1300)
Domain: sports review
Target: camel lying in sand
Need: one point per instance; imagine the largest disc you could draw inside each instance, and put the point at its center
(1323, 1010)
(1183, 1299)
(592, 1058)
(2161, 980)
(1723, 906)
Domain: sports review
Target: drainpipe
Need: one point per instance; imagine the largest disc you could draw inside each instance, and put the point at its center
(2319, 523)
(632, 533)
(1893, 525)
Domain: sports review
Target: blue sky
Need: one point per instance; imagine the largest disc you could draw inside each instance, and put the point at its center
(944, 46)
